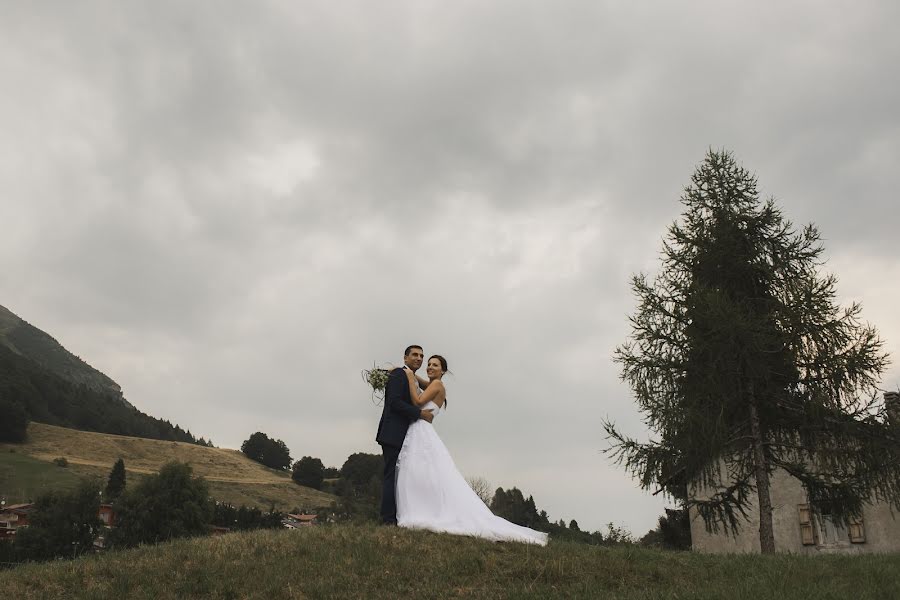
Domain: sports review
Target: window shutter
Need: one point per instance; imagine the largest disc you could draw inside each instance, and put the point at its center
(807, 535)
(857, 530)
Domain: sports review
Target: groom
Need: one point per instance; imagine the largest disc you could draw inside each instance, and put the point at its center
(398, 413)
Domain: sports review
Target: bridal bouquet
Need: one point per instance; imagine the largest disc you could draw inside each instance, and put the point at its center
(377, 378)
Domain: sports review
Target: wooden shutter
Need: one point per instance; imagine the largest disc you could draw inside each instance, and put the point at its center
(807, 534)
(857, 530)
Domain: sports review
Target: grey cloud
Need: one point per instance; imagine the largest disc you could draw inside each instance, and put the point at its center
(232, 208)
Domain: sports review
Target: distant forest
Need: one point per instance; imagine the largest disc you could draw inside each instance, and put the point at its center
(49, 398)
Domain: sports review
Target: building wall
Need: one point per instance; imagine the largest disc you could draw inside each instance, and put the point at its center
(882, 529)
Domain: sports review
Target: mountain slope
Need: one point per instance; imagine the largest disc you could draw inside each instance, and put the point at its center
(28, 341)
(56, 387)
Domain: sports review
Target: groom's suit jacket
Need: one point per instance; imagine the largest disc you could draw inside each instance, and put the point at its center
(399, 411)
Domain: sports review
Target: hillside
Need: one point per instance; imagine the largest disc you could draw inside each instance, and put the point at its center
(347, 561)
(56, 387)
(232, 476)
(23, 477)
(39, 347)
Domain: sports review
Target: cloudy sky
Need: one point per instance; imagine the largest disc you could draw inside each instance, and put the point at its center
(231, 208)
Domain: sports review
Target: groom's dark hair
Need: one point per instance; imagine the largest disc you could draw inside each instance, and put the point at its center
(409, 349)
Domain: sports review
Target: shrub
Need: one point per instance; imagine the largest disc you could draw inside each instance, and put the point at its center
(161, 507)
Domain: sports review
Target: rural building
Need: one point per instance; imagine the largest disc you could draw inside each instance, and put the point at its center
(293, 521)
(14, 516)
(107, 515)
(797, 529)
(17, 515)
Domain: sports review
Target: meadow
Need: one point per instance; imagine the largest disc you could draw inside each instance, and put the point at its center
(367, 561)
(27, 469)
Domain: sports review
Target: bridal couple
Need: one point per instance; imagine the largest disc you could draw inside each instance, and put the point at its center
(422, 487)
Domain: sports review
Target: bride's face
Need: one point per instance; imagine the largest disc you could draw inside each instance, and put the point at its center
(434, 368)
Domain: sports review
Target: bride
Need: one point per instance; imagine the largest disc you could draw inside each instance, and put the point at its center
(431, 492)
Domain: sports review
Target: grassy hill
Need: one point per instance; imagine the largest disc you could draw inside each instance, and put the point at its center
(348, 561)
(232, 476)
(23, 477)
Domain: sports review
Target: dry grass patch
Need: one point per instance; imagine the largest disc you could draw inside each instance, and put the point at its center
(232, 476)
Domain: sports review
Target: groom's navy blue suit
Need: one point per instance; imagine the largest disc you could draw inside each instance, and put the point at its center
(398, 413)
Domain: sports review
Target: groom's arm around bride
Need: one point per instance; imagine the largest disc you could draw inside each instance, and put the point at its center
(399, 411)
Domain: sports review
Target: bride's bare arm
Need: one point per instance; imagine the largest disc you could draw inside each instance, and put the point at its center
(434, 392)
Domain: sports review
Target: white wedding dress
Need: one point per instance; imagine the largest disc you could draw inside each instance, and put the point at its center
(433, 495)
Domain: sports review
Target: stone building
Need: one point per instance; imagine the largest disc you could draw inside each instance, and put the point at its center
(796, 529)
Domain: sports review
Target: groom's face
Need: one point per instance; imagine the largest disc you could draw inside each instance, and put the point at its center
(414, 359)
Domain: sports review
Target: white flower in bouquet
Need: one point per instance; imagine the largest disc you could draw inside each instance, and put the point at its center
(377, 378)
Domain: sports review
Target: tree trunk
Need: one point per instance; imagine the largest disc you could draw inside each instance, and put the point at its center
(766, 530)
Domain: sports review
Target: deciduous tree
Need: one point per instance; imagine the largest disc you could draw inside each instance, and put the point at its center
(268, 451)
(163, 506)
(309, 471)
(63, 524)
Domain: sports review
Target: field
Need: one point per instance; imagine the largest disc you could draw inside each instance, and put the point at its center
(359, 561)
(22, 476)
(232, 477)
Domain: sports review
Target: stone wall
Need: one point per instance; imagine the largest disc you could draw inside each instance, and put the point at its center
(881, 527)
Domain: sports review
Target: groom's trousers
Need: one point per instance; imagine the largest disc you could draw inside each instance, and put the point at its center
(388, 489)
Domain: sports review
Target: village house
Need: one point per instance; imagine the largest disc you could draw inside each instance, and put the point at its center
(797, 529)
(13, 516)
(294, 521)
(107, 515)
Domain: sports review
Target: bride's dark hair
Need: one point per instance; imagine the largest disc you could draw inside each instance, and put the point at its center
(444, 368)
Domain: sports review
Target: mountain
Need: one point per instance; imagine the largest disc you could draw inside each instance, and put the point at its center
(31, 343)
(56, 387)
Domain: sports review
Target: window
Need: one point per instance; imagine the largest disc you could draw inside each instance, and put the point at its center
(827, 531)
(857, 530)
(833, 531)
(807, 533)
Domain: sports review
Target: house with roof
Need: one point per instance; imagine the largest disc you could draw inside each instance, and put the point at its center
(13, 516)
(798, 528)
(295, 521)
(107, 515)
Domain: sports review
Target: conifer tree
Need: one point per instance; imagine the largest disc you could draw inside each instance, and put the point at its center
(741, 361)
(14, 421)
(115, 485)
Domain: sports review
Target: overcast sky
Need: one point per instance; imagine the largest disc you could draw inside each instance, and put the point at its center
(232, 208)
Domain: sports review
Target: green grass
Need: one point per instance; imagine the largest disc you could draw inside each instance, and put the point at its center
(352, 561)
(23, 478)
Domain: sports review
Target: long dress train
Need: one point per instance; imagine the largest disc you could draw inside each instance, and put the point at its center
(433, 495)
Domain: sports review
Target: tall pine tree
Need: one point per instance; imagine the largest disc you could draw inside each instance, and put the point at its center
(739, 354)
(115, 485)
